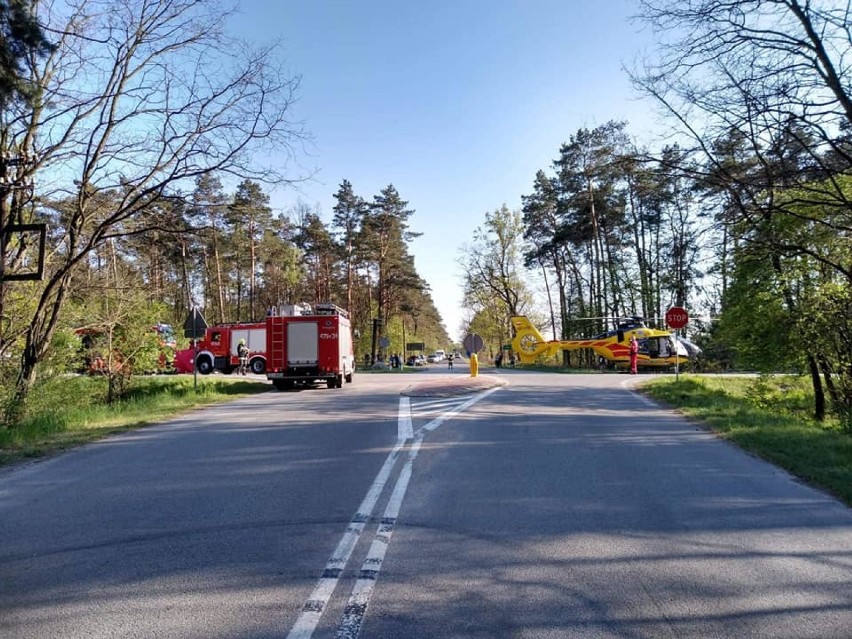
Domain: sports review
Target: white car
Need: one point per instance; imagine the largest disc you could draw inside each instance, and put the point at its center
(433, 358)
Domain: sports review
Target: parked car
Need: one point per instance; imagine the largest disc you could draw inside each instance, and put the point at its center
(415, 360)
(433, 358)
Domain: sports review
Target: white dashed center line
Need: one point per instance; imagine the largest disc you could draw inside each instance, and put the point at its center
(356, 608)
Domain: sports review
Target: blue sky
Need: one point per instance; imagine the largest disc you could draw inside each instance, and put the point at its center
(457, 104)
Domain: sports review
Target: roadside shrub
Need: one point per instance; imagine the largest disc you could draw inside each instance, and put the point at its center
(762, 393)
(781, 394)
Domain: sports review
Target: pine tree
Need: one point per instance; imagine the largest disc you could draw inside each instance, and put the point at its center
(385, 235)
(20, 36)
(249, 217)
(349, 213)
(207, 215)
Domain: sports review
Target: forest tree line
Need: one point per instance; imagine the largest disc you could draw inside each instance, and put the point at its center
(117, 125)
(236, 260)
(745, 214)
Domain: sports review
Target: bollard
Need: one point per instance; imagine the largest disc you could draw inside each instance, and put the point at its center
(474, 365)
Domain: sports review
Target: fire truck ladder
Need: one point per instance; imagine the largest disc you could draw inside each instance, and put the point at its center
(276, 344)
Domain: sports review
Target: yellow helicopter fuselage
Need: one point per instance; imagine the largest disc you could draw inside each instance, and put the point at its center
(657, 349)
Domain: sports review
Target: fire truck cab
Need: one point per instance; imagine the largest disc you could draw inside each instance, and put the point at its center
(217, 350)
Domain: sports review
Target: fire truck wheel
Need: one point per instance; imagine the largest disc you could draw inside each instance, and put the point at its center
(204, 364)
(258, 366)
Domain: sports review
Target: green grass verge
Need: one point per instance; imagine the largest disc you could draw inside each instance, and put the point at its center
(770, 417)
(70, 411)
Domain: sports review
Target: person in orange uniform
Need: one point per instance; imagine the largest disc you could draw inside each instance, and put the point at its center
(634, 355)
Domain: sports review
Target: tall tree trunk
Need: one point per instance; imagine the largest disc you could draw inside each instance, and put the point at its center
(220, 292)
(252, 265)
(184, 271)
(208, 286)
(723, 261)
(350, 276)
(597, 253)
(829, 380)
(813, 367)
(618, 306)
(38, 337)
(819, 395)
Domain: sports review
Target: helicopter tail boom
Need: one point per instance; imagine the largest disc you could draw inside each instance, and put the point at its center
(528, 343)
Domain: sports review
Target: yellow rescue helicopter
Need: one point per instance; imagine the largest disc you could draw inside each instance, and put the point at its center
(657, 348)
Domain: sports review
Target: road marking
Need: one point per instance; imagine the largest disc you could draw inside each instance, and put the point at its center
(438, 403)
(356, 607)
(317, 602)
(452, 413)
(436, 406)
(314, 607)
(405, 430)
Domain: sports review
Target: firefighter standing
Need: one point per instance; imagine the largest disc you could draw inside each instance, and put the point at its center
(243, 354)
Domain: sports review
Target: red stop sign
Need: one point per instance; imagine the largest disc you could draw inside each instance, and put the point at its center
(677, 317)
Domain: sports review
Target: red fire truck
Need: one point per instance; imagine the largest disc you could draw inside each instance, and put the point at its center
(306, 345)
(217, 350)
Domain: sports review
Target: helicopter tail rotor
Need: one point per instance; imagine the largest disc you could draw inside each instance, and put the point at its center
(528, 343)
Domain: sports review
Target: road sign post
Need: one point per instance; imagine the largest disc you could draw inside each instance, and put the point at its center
(473, 344)
(677, 317)
(194, 328)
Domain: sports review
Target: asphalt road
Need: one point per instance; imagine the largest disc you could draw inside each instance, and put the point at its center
(553, 506)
